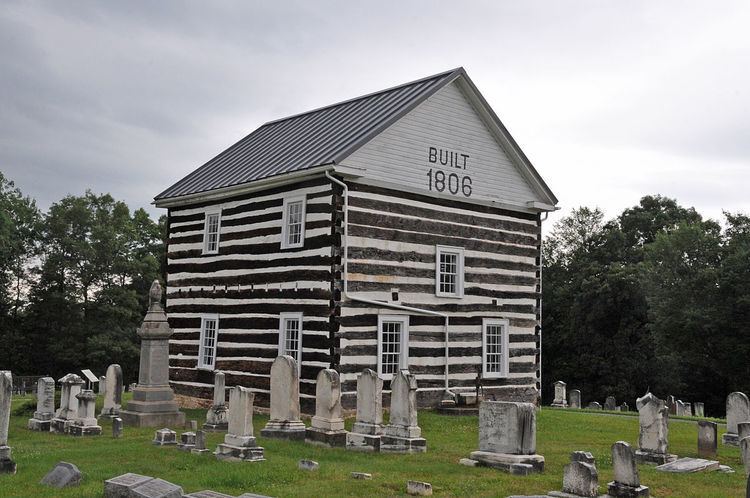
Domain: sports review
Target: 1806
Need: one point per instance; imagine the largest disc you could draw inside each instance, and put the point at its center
(452, 182)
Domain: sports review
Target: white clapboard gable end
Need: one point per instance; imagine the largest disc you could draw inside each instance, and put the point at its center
(447, 147)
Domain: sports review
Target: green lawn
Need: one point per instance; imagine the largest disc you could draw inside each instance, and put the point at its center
(559, 432)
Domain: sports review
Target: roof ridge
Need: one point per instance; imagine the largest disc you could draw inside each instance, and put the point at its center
(367, 95)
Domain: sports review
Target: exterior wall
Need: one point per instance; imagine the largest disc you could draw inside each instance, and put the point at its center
(392, 237)
(447, 123)
(248, 283)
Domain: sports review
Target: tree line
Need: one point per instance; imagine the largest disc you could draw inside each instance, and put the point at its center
(657, 298)
(74, 282)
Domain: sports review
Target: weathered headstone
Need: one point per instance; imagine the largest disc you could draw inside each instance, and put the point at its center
(575, 399)
(165, 437)
(187, 441)
(327, 427)
(688, 409)
(216, 417)
(309, 465)
(102, 384)
(698, 409)
(403, 434)
(116, 427)
(285, 422)
(688, 465)
(624, 407)
(507, 436)
(368, 427)
(707, 438)
(120, 486)
(579, 479)
(672, 405)
(418, 488)
(738, 410)
(112, 392)
(610, 403)
(627, 483)
(362, 476)
(62, 476)
(745, 453)
(239, 443)
(71, 386)
(594, 405)
(743, 429)
(560, 395)
(200, 444)
(582, 456)
(7, 465)
(153, 402)
(45, 405)
(156, 488)
(653, 439)
(85, 423)
(194, 425)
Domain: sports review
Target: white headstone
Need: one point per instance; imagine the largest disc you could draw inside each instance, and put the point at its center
(738, 410)
(285, 419)
(241, 411)
(560, 394)
(624, 465)
(112, 391)
(45, 405)
(581, 479)
(404, 401)
(506, 427)
(7, 465)
(575, 398)
(369, 398)
(328, 401)
(654, 429)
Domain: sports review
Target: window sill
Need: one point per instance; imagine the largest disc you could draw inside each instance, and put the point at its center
(451, 296)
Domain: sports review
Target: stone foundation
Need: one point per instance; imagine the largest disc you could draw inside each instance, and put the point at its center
(239, 449)
(322, 437)
(394, 444)
(362, 442)
(620, 490)
(650, 458)
(85, 430)
(505, 461)
(284, 430)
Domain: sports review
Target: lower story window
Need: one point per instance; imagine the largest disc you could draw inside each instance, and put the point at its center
(494, 347)
(207, 347)
(393, 344)
(290, 336)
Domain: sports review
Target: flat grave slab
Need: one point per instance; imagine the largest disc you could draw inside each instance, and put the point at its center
(686, 465)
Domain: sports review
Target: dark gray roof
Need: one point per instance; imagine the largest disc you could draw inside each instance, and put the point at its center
(322, 136)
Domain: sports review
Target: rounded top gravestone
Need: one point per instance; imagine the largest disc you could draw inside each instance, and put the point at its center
(738, 410)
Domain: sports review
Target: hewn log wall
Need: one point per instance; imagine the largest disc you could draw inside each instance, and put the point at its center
(392, 237)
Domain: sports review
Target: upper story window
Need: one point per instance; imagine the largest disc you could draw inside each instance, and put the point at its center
(211, 232)
(494, 347)
(293, 222)
(393, 344)
(207, 347)
(290, 336)
(449, 271)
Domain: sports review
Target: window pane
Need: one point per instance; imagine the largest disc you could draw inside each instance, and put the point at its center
(291, 337)
(391, 347)
(494, 348)
(212, 232)
(294, 223)
(448, 274)
(209, 342)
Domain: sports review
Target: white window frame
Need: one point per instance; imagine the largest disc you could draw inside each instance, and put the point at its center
(201, 347)
(216, 212)
(504, 344)
(285, 221)
(459, 251)
(283, 317)
(403, 359)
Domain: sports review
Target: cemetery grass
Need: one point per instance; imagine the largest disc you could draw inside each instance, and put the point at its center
(559, 432)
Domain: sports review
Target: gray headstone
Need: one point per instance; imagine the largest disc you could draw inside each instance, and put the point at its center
(6, 394)
(63, 475)
(624, 464)
(113, 391)
(688, 465)
(116, 427)
(200, 440)
(743, 429)
(418, 488)
(738, 410)
(580, 479)
(102, 384)
(120, 486)
(575, 399)
(361, 475)
(45, 399)
(194, 425)
(654, 429)
(624, 407)
(156, 488)
(369, 398)
(560, 394)
(610, 403)
(745, 453)
(506, 427)
(672, 405)
(308, 465)
(328, 401)
(698, 409)
(582, 456)
(594, 405)
(707, 438)
(404, 400)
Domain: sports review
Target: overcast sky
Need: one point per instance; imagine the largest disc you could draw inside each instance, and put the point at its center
(610, 100)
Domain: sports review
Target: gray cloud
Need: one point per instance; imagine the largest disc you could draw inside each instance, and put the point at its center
(610, 100)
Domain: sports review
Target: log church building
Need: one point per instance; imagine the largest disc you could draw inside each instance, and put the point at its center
(397, 230)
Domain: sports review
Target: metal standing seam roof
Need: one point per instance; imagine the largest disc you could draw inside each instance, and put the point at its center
(315, 138)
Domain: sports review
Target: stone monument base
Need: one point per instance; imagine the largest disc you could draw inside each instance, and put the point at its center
(153, 407)
(58, 425)
(504, 461)
(396, 444)
(7, 466)
(216, 419)
(284, 430)
(620, 490)
(362, 442)
(85, 430)
(187, 441)
(239, 449)
(730, 439)
(36, 424)
(322, 437)
(564, 404)
(650, 458)
(221, 427)
(200, 451)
